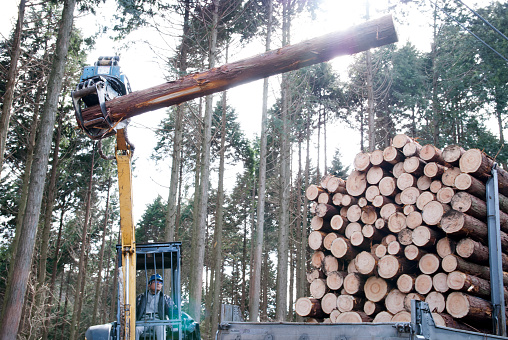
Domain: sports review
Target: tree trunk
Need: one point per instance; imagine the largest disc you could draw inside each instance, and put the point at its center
(8, 96)
(12, 312)
(80, 282)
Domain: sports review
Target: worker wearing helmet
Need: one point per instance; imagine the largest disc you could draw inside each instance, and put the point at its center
(154, 305)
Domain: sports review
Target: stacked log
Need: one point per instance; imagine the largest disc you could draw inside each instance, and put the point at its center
(408, 223)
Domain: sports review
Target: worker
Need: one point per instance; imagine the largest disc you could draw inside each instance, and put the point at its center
(154, 305)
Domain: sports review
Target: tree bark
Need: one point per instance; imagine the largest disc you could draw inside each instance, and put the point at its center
(12, 312)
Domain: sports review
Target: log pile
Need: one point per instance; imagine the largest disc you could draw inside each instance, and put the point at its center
(408, 223)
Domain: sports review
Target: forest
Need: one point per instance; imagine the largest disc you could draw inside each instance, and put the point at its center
(244, 234)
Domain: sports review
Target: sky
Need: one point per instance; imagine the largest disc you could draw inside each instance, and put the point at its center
(141, 66)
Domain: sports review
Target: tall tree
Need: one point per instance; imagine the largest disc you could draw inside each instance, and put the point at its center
(12, 312)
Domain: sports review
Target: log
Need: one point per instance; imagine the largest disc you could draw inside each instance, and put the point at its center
(329, 302)
(338, 223)
(353, 317)
(356, 183)
(354, 213)
(380, 200)
(430, 153)
(406, 283)
(461, 305)
(410, 195)
(348, 303)
(380, 251)
(371, 192)
(313, 191)
(405, 236)
(397, 222)
(365, 263)
(424, 198)
(449, 176)
(326, 211)
(388, 238)
(476, 163)
(324, 181)
(470, 284)
(388, 210)
(318, 288)
(336, 185)
(353, 283)
(394, 248)
(351, 267)
(376, 288)
(413, 253)
(334, 315)
(412, 296)
(380, 223)
(423, 183)
(406, 180)
(414, 220)
(376, 159)
(369, 214)
(412, 149)
(439, 282)
(315, 274)
(423, 284)
(429, 263)
(408, 208)
(306, 306)
(337, 199)
(459, 224)
(328, 240)
(433, 212)
(335, 280)
(402, 316)
(392, 155)
(351, 228)
(394, 301)
(348, 200)
(319, 224)
(315, 240)
(424, 236)
(390, 266)
(383, 317)
(434, 170)
(445, 246)
(359, 241)
(330, 264)
(325, 198)
(414, 165)
(343, 249)
(398, 169)
(455, 263)
(435, 186)
(370, 232)
(446, 320)
(445, 194)
(317, 259)
(436, 301)
(388, 186)
(373, 33)
(452, 153)
(371, 308)
(400, 140)
(362, 202)
(362, 161)
(476, 252)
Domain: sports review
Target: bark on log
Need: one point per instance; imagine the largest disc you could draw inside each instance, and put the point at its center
(348, 303)
(343, 249)
(476, 252)
(318, 223)
(455, 263)
(306, 306)
(313, 191)
(434, 170)
(362, 161)
(423, 284)
(424, 236)
(326, 211)
(373, 33)
(338, 223)
(445, 246)
(356, 183)
(414, 165)
(452, 153)
(461, 305)
(325, 198)
(476, 163)
(394, 301)
(406, 283)
(392, 155)
(470, 284)
(412, 149)
(376, 288)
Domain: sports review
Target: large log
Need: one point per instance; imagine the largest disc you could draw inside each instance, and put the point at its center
(436, 301)
(315, 240)
(470, 284)
(326, 211)
(450, 175)
(348, 303)
(429, 263)
(318, 288)
(335, 280)
(329, 302)
(356, 183)
(412, 149)
(423, 284)
(452, 153)
(383, 317)
(377, 160)
(343, 249)
(439, 282)
(306, 306)
(406, 283)
(434, 170)
(430, 153)
(365, 263)
(445, 246)
(376, 288)
(453, 262)
(353, 317)
(373, 33)
(362, 161)
(353, 283)
(394, 301)
(390, 266)
(433, 212)
(412, 296)
(476, 252)
(461, 305)
(424, 236)
(335, 185)
(313, 191)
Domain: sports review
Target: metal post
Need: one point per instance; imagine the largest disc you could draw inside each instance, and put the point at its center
(496, 273)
